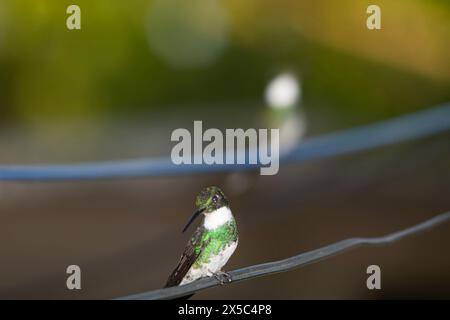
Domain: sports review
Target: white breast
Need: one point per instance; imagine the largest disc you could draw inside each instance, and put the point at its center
(217, 218)
(215, 264)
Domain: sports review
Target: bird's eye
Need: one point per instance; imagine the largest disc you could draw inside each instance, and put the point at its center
(215, 198)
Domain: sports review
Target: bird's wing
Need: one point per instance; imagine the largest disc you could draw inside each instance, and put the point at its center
(188, 257)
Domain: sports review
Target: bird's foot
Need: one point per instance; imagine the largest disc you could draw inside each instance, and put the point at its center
(223, 277)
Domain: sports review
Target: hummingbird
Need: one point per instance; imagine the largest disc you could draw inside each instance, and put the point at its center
(212, 243)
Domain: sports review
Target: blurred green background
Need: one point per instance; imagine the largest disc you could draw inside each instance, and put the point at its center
(139, 69)
(148, 56)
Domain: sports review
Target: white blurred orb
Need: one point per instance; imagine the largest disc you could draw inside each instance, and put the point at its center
(283, 91)
(190, 33)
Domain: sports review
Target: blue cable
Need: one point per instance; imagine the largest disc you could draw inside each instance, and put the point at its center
(409, 127)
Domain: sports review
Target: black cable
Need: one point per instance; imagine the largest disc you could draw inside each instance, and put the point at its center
(289, 263)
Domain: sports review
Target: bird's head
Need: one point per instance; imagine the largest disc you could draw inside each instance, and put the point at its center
(207, 202)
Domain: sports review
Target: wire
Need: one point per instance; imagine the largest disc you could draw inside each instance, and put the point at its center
(420, 124)
(289, 263)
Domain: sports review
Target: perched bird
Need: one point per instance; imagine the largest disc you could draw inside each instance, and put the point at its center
(213, 242)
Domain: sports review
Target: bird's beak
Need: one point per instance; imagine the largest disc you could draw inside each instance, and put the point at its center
(194, 216)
